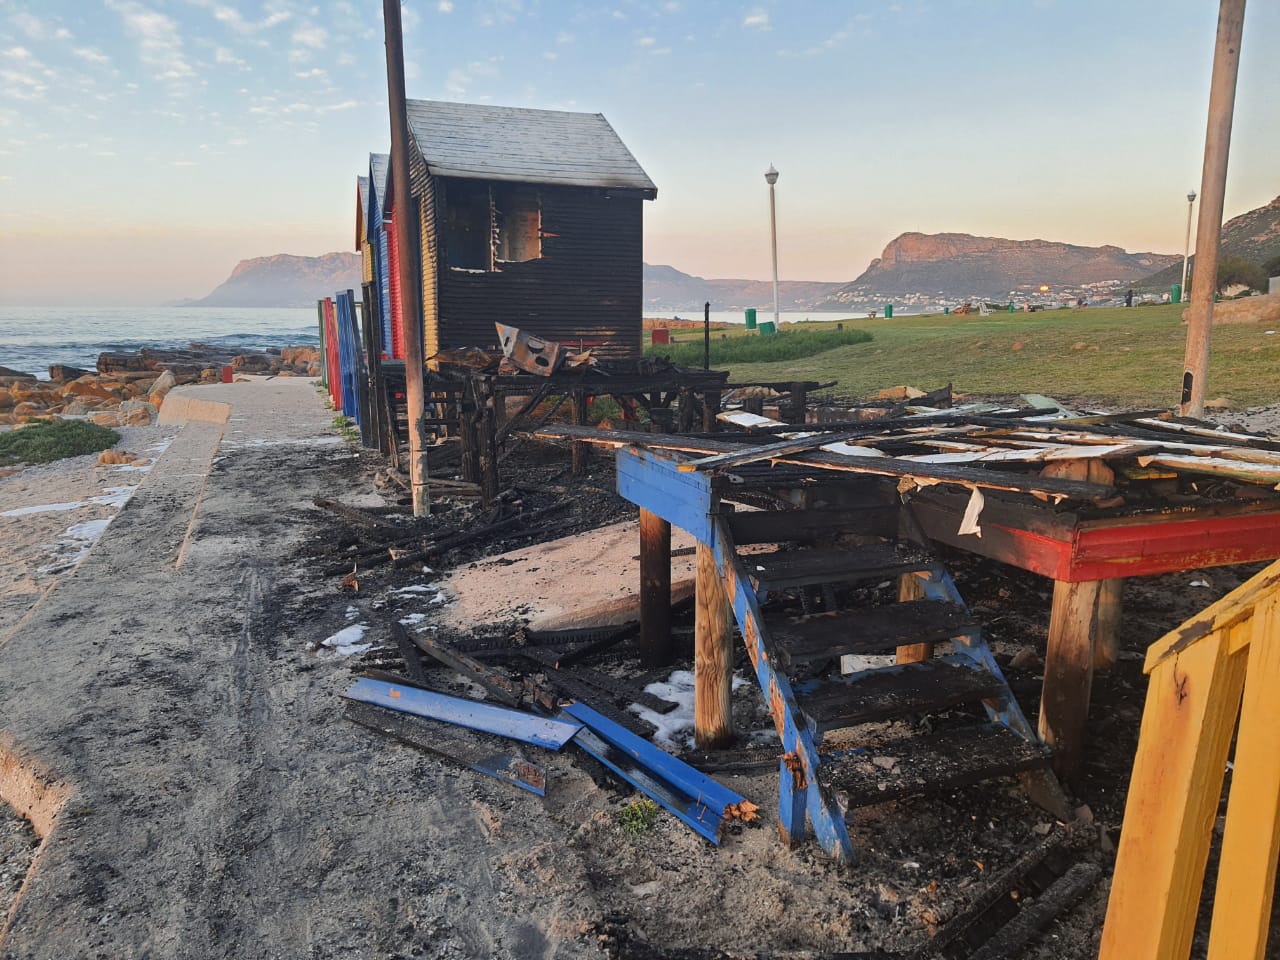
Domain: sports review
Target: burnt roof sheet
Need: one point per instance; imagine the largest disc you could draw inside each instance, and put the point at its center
(484, 142)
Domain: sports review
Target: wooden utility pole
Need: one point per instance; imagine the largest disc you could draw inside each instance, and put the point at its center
(410, 291)
(1213, 187)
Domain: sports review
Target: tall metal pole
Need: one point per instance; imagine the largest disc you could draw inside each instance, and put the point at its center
(706, 335)
(1213, 187)
(1186, 247)
(406, 235)
(771, 177)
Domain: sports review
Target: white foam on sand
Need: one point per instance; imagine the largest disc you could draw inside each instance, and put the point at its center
(45, 508)
(115, 497)
(77, 540)
(675, 729)
(347, 641)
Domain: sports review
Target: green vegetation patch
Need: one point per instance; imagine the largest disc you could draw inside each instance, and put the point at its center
(759, 348)
(44, 441)
(1127, 357)
(347, 427)
(639, 816)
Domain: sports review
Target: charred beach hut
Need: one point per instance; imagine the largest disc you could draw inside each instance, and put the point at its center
(531, 218)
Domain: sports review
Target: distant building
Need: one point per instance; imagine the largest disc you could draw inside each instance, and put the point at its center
(531, 218)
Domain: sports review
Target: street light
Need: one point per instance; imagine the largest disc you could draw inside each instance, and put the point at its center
(771, 177)
(1186, 249)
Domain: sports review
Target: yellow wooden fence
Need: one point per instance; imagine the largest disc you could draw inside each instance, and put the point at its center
(1198, 675)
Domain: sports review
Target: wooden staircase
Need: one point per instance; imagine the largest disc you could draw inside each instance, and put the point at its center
(824, 776)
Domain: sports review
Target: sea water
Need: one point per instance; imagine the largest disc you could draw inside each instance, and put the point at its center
(31, 338)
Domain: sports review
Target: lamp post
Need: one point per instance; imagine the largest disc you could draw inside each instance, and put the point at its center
(1186, 249)
(771, 177)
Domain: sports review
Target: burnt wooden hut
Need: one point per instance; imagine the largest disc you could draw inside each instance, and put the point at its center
(531, 218)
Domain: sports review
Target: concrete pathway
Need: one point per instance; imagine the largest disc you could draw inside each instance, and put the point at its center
(183, 754)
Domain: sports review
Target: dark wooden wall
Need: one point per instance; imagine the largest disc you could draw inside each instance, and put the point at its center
(585, 288)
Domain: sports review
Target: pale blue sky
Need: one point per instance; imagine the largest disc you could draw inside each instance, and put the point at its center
(147, 145)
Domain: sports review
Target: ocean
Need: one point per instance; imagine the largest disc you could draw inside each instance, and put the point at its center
(31, 338)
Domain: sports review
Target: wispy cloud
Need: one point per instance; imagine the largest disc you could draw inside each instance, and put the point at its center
(445, 6)
(159, 42)
(233, 18)
(460, 79)
(35, 28)
(91, 55)
(311, 35)
(757, 19)
(315, 73)
(184, 163)
(646, 42)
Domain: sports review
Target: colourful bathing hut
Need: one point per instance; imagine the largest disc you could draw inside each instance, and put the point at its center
(381, 241)
(532, 218)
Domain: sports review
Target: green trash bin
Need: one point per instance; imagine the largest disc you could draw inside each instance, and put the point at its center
(766, 327)
(1175, 293)
(946, 311)
(751, 318)
(888, 311)
(1011, 306)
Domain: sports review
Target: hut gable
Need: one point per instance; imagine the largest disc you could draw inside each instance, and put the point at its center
(530, 218)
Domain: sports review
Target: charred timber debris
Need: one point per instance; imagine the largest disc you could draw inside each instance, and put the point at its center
(931, 467)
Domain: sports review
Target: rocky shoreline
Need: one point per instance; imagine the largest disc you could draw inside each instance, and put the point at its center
(127, 389)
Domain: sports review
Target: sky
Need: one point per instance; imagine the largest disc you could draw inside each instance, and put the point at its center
(146, 146)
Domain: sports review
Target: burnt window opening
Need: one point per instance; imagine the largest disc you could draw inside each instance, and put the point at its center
(517, 224)
(466, 226)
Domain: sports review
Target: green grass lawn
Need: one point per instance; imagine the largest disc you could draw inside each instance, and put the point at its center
(1130, 357)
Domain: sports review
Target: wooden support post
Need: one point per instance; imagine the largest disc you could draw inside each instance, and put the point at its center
(581, 451)
(1106, 639)
(754, 405)
(799, 399)
(710, 409)
(488, 443)
(686, 410)
(655, 590)
(1174, 791)
(1247, 868)
(1068, 675)
(713, 656)
(910, 588)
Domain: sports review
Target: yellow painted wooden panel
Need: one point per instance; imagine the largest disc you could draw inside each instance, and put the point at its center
(1247, 875)
(1231, 609)
(1190, 714)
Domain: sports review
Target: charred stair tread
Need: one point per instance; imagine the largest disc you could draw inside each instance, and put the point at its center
(898, 691)
(796, 568)
(939, 761)
(869, 630)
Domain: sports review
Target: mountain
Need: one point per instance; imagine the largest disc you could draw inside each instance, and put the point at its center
(950, 266)
(666, 289)
(1253, 236)
(285, 281)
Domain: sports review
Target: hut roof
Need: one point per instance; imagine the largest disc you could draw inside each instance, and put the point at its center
(484, 142)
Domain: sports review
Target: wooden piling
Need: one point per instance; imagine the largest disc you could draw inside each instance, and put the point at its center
(713, 657)
(581, 451)
(487, 438)
(1106, 639)
(655, 590)
(1068, 674)
(710, 409)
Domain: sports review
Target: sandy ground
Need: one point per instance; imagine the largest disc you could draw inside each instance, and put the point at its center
(532, 585)
(178, 683)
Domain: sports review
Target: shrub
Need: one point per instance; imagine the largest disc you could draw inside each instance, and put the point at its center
(44, 441)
